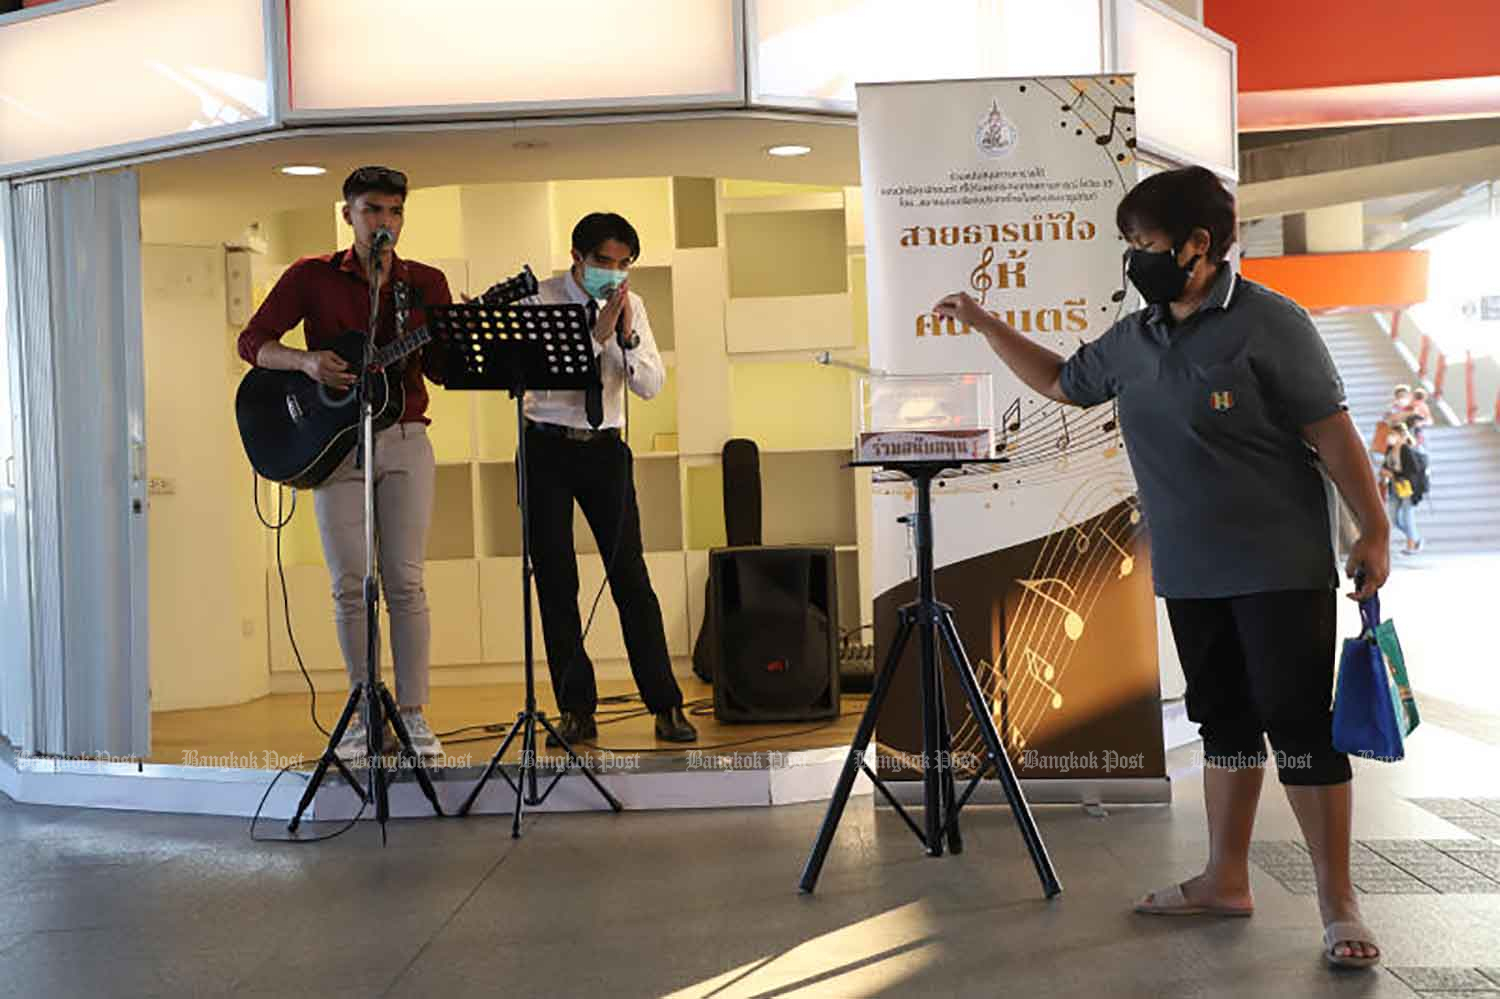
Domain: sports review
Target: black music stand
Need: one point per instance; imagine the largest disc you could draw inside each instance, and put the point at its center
(514, 348)
(932, 621)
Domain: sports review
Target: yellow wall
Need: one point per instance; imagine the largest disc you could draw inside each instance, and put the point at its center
(786, 253)
(770, 189)
(645, 202)
(792, 405)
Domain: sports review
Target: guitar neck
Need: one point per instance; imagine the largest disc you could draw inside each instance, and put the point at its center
(398, 349)
(513, 289)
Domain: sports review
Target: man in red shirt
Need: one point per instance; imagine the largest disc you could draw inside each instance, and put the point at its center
(330, 295)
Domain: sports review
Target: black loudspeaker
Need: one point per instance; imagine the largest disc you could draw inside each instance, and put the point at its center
(742, 527)
(773, 633)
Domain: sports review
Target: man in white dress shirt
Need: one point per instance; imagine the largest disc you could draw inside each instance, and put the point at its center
(575, 451)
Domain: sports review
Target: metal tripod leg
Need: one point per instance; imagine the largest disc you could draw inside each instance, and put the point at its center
(575, 760)
(528, 769)
(852, 765)
(510, 736)
(408, 751)
(1012, 787)
(932, 761)
(330, 758)
(945, 762)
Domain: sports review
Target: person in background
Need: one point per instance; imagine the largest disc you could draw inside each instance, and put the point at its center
(1401, 406)
(1405, 479)
(1228, 401)
(1421, 417)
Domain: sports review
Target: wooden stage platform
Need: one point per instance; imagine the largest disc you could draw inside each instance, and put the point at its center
(277, 729)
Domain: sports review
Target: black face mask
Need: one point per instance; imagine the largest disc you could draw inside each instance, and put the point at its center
(1157, 275)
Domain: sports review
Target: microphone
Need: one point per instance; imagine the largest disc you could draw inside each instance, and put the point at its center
(620, 331)
(626, 340)
(382, 239)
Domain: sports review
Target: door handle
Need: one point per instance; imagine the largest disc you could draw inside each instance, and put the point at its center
(10, 471)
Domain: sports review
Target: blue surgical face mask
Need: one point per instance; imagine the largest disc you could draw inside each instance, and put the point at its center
(600, 282)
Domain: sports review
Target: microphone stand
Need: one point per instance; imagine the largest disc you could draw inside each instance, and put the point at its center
(379, 706)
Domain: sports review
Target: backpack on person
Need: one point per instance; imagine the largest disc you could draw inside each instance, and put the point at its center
(1417, 474)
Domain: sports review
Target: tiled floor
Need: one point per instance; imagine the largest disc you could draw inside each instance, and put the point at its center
(704, 903)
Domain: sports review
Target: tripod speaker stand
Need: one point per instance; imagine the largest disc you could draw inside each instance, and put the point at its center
(933, 623)
(514, 348)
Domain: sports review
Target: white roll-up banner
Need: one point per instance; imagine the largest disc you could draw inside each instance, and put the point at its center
(1007, 189)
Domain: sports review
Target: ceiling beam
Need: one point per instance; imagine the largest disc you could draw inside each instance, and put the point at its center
(1367, 182)
(1328, 152)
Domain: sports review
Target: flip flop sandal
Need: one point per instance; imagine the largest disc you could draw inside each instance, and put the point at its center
(1172, 902)
(1348, 931)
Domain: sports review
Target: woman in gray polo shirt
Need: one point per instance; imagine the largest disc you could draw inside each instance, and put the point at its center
(1228, 400)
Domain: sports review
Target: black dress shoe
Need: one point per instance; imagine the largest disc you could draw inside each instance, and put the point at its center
(672, 726)
(576, 728)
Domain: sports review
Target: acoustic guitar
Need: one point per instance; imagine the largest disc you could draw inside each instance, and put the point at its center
(296, 430)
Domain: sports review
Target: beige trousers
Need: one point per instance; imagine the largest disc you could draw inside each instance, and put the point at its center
(404, 479)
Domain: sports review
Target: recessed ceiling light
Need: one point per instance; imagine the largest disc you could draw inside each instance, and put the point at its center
(303, 170)
(791, 150)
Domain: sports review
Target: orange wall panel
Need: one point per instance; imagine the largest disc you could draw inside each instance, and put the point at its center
(1293, 44)
(1321, 282)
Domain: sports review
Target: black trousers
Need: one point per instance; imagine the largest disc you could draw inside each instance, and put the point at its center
(1263, 663)
(597, 475)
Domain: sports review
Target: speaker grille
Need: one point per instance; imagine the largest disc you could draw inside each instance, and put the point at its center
(775, 633)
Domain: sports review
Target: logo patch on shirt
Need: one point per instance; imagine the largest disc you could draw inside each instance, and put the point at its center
(1222, 402)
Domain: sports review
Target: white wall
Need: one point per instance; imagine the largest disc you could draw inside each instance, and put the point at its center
(208, 612)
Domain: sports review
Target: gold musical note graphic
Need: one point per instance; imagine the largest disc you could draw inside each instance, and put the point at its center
(1064, 440)
(1072, 620)
(1016, 738)
(1044, 676)
(1127, 560)
(1120, 109)
(1009, 425)
(980, 279)
(1130, 501)
(1081, 539)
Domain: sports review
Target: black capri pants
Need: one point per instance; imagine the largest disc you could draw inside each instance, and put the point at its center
(1258, 665)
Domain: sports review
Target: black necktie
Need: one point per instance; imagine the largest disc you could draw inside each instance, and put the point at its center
(593, 396)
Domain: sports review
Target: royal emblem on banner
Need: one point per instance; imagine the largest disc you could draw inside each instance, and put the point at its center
(996, 136)
(1222, 402)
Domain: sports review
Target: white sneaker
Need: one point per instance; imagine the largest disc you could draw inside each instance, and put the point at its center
(354, 745)
(423, 739)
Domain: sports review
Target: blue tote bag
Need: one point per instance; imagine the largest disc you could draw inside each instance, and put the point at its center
(1368, 706)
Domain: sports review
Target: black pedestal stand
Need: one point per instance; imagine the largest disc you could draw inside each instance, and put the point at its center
(933, 623)
(513, 348)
